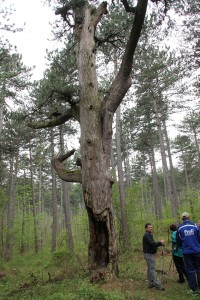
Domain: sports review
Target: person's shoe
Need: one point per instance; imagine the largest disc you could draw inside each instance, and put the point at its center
(181, 280)
(160, 288)
(197, 292)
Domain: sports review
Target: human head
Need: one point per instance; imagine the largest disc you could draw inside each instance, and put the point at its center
(148, 227)
(185, 216)
(173, 227)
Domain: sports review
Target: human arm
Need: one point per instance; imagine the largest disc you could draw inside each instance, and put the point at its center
(178, 239)
(150, 240)
(174, 242)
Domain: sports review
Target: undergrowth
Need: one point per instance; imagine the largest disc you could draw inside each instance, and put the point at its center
(64, 276)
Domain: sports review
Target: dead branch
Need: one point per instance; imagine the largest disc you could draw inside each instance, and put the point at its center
(65, 156)
(63, 10)
(99, 12)
(70, 114)
(66, 175)
(50, 279)
(122, 81)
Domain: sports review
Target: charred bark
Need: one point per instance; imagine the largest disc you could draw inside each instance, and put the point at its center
(102, 247)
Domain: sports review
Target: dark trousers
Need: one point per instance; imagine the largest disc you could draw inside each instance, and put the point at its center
(180, 267)
(192, 267)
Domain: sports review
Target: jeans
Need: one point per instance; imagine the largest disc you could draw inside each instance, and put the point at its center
(192, 267)
(151, 270)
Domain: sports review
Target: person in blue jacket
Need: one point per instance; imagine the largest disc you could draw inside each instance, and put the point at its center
(188, 237)
(177, 255)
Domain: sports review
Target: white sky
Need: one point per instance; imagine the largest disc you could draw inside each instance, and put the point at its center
(33, 41)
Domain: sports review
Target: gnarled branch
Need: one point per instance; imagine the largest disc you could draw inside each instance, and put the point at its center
(63, 10)
(66, 175)
(99, 12)
(122, 82)
(71, 113)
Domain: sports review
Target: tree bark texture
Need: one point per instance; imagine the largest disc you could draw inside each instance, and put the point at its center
(168, 182)
(96, 178)
(196, 143)
(66, 201)
(33, 203)
(172, 177)
(156, 192)
(54, 199)
(127, 167)
(22, 246)
(124, 220)
(1, 116)
(113, 164)
(125, 227)
(10, 214)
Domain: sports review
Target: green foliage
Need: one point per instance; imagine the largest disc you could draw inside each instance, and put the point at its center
(57, 296)
(137, 216)
(28, 238)
(87, 292)
(80, 230)
(55, 94)
(167, 211)
(19, 284)
(3, 197)
(59, 257)
(14, 76)
(75, 193)
(190, 201)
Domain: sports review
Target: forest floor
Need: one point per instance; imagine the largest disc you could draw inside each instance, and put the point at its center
(62, 276)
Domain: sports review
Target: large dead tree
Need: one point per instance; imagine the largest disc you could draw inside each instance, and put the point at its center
(95, 116)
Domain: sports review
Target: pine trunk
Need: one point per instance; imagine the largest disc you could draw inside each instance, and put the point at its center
(196, 144)
(127, 167)
(22, 246)
(66, 201)
(95, 116)
(33, 203)
(95, 154)
(125, 227)
(169, 190)
(172, 177)
(54, 199)
(156, 192)
(113, 165)
(10, 214)
(1, 116)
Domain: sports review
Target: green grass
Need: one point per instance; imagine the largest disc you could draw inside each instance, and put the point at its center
(61, 276)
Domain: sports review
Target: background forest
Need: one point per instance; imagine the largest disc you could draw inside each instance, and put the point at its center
(155, 158)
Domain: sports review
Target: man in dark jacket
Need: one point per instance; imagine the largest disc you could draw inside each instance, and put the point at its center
(150, 248)
(188, 237)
